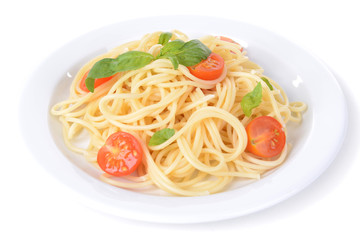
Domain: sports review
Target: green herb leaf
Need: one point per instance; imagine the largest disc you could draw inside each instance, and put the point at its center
(164, 38)
(192, 53)
(267, 83)
(185, 53)
(161, 136)
(251, 100)
(172, 48)
(174, 61)
(107, 67)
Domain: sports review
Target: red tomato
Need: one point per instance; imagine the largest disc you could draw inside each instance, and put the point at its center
(121, 154)
(98, 82)
(208, 69)
(266, 137)
(229, 40)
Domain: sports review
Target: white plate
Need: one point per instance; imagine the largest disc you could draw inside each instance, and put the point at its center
(303, 77)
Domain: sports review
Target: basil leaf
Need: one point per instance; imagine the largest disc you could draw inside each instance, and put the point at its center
(267, 83)
(251, 100)
(193, 52)
(187, 54)
(164, 38)
(107, 67)
(161, 136)
(172, 48)
(174, 61)
(103, 68)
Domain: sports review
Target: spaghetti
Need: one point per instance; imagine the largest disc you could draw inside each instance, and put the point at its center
(208, 149)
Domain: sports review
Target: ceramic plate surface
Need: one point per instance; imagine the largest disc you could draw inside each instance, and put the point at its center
(302, 76)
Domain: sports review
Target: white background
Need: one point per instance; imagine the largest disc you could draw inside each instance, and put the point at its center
(35, 205)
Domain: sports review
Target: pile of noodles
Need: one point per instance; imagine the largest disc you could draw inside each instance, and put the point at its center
(207, 151)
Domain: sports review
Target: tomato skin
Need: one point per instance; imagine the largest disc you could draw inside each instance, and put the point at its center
(121, 154)
(266, 137)
(226, 39)
(208, 69)
(98, 81)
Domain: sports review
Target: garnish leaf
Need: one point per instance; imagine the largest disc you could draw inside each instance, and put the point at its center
(164, 38)
(187, 53)
(107, 67)
(192, 53)
(267, 83)
(161, 136)
(174, 61)
(171, 48)
(251, 100)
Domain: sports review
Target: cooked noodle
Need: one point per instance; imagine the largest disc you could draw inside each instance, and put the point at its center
(208, 149)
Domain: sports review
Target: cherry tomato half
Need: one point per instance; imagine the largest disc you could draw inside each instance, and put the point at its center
(266, 137)
(208, 69)
(121, 154)
(98, 81)
(226, 39)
